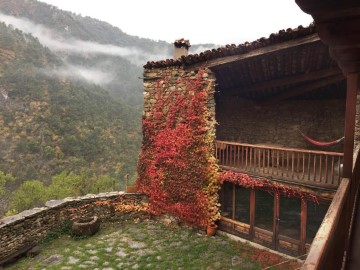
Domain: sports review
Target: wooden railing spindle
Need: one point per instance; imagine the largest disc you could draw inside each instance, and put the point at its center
(268, 159)
(303, 167)
(246, 158)
(320, 168)
(292, 164)
(297, 165)
(326, 168)
(282, 163)
(314, 168)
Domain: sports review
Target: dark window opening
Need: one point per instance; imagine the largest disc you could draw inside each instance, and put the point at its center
(242, 205)
(226, 199)
(290, 217)
(315, 215)
(264, 209)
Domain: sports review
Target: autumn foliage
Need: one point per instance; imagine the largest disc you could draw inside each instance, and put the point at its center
(246, 181)
(176, 168)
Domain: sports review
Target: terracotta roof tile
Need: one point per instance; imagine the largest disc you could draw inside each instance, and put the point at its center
(232, 49)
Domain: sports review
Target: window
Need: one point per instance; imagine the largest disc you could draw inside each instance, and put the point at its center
(264, 209)
(315, 215)
(290, 217)
(242, 204)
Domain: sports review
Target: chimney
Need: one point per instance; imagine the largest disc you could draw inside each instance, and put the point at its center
(181, 48)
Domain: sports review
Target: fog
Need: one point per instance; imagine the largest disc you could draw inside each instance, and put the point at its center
(93, 75)
(201, 48)
(56, 42)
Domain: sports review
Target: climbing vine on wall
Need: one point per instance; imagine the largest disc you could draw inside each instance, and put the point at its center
(176, 168)
(244, 180)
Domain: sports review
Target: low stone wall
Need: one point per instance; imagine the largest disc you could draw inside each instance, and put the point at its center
(28, 227)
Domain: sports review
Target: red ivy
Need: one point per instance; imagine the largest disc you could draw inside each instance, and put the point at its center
(246, 181)
(174, 163)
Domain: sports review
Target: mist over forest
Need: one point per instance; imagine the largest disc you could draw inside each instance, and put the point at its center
(70, 103)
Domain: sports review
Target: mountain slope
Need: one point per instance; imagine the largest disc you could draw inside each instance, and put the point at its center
(92, 44)
(49, 123)
(122, 59)
(70, 96)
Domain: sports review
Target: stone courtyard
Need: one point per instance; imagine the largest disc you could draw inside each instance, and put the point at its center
(149, 244)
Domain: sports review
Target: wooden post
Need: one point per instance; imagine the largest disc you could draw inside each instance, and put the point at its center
(252, 214)
(302, 249)
(352, 86)
(223, 199)
(233, 202)
(276, 221)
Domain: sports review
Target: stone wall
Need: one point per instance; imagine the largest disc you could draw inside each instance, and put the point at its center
(243, 121)
(28, 227)
(153, 77)
(177, 168)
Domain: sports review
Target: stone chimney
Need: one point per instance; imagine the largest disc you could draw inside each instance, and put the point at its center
(181, 48)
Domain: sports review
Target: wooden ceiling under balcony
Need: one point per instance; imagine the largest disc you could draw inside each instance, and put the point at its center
(296, 68)
(289, 64)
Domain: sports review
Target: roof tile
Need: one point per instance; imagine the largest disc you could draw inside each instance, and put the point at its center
(232, 49)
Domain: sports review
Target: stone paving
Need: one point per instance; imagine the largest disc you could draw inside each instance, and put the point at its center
(143, 245)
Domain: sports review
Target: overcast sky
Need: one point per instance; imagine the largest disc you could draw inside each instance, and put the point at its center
(201, 21)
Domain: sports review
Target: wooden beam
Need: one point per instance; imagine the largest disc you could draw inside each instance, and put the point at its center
(340, 32)
(298, 150)
(228, 60)
(276, 221)
(325, 10)
(223, 200)
(233, 202)
(302, 248)
(252, 214)
(352, 87)
(311, 76)
(303, 89)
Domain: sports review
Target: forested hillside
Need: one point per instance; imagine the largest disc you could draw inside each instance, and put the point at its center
(93, 45)
(105, 48)
(70, 103)
(50, 124)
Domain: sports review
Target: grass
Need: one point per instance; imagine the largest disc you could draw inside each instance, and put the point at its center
(143, 245)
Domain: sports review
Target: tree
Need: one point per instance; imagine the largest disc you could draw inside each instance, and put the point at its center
(104, 183)
(30, 194)
(4, 178)
(65, 185)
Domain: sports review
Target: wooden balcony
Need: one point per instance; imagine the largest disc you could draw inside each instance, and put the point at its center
(336, 244)
(309, 167)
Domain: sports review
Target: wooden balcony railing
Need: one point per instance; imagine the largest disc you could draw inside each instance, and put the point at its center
(332, 244)
(328, 247)
(312, 167)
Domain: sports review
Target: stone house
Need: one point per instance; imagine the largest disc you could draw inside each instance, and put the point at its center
(279, 107)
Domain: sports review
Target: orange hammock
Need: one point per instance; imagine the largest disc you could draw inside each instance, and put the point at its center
(318, 143)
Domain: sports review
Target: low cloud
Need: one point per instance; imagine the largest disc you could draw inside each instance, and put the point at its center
(55, 42)
(80, 73)
(200, 49)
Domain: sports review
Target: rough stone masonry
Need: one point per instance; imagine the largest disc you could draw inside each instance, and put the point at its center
(24, 230)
